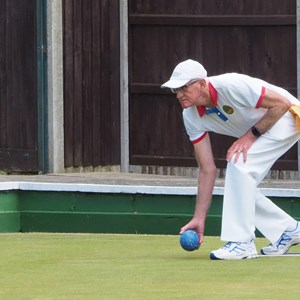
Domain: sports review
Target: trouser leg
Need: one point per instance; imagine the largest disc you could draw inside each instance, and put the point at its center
(270, 220)
(238, 206)
(244, 208)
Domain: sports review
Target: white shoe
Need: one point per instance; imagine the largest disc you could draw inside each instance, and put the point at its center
(234, 250)
(285, 242)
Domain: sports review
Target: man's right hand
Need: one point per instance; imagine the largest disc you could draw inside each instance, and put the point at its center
(194, 225)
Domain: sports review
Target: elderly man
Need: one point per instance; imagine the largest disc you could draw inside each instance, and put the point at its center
(262, 117)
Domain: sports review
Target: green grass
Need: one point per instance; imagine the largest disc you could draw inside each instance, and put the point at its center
(95, 266)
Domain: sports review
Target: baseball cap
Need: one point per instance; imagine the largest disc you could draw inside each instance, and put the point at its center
(184, 72)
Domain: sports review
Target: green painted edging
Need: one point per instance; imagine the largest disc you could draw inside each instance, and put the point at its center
(35, 211)
(104, 212)
(102, 223)
(10, 216)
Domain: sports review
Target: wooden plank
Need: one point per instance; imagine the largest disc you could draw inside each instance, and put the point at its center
(78, 121)
(96, 83)
(281, 164)
(208, 20)
(155, 89)
(12, 62)
(68, 38)
(204, 7)
(3, 77)
(110, 83)
(106, 110)
(114, 84)
(87, 68)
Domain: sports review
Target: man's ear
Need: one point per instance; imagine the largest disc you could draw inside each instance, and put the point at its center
(203, 83)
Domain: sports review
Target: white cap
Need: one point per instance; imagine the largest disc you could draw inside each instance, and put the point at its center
(184, 72)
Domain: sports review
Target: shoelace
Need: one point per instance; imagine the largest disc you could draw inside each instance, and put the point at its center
(284, 239)
(233, 247)
(227, 245)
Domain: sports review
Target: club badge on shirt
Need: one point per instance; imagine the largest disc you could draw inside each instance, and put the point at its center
(228, 109)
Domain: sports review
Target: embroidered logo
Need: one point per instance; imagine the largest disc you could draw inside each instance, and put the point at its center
(228, 109)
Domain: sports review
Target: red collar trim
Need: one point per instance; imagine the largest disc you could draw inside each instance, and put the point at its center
(214, 97)
(201, 110)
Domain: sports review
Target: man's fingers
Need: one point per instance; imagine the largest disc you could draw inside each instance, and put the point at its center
(229, 155)
(245, 156)
(183, 229)
(236, 153)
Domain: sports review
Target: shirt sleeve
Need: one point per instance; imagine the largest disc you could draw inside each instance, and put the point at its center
(246, 91)
(193, 126)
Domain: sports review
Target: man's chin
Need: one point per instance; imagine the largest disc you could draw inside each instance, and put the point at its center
(185, 104)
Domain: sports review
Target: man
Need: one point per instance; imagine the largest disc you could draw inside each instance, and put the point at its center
(262, 118)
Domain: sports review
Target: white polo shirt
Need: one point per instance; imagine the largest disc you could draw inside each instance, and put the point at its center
(237, 99)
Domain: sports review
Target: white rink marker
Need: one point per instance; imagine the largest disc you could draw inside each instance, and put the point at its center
(292, 254)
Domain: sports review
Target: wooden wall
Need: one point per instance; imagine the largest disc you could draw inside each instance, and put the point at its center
(255, 37)
(91, 82)
(18, 86)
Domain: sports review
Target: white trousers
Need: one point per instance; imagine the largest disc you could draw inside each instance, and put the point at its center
(244, 206)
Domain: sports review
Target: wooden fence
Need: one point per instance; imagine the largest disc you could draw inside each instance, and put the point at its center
(255, 37)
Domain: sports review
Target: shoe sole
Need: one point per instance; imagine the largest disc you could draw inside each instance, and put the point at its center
(251, 256)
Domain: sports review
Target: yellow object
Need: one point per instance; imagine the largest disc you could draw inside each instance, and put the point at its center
(295, 111)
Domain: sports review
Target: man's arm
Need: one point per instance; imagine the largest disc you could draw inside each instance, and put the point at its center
(206, 181)
(276, 106)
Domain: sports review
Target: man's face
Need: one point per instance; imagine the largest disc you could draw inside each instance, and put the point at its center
(192, 94)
